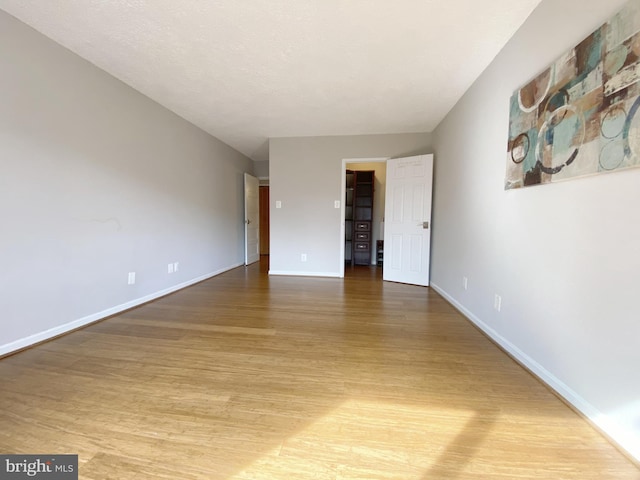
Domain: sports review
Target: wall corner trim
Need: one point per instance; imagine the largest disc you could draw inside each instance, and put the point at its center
(613, 431)
(31, 340)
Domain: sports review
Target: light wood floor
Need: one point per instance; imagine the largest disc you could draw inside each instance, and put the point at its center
(249, 377)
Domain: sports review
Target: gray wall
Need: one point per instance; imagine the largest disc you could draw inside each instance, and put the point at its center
(306, 176)
(261, 168)
(564, 257)
(97, 181)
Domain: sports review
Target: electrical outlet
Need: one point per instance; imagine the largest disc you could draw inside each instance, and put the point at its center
(175, 266)
(303, 257)
(497, 302)
(132, 278)
(170, 268)
(465, 282)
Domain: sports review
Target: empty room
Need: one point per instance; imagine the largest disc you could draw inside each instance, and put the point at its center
(329, 240)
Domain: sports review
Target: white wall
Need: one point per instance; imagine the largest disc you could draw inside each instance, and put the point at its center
(565, 257)
(306, 176)
(97, 180)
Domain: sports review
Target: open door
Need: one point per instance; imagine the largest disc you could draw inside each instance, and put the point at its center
(251, 219)
(407, 234)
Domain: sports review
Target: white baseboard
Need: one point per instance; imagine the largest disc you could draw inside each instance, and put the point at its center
(624, 439)
(81, 322)
(304, 274)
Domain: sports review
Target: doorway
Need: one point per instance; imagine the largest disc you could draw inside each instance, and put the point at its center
(251, 220)
(407, 211)
(378, 165)
(264, 219)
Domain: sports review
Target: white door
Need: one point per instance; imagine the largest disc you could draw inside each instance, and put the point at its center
(407, 220)
(251, 219)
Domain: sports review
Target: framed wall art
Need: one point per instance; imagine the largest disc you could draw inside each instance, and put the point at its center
(580, 116)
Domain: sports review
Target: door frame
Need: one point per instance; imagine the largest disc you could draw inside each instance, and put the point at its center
(343, 192)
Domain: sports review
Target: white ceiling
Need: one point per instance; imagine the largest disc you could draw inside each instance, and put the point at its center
(248, 70)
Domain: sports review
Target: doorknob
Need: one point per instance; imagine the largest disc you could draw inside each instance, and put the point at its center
(424, 225)
(248, 222)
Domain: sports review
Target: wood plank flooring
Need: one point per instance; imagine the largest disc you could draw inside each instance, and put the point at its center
(247, 377)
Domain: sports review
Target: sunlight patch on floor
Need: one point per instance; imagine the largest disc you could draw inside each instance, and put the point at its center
(364, 440)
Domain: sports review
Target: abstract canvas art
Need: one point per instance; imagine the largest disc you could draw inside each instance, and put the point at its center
(580, 116)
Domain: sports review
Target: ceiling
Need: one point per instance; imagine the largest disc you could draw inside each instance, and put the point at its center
(249, 70)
